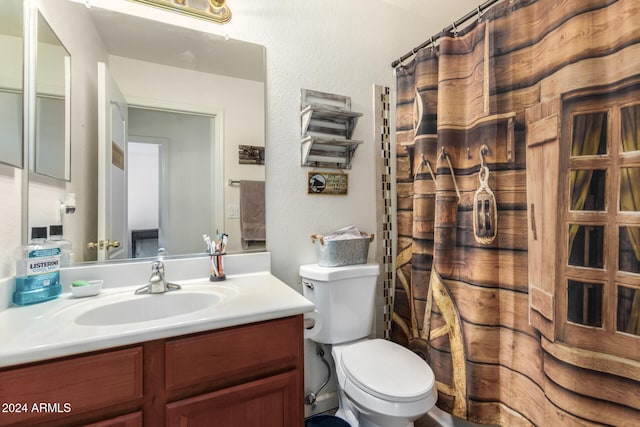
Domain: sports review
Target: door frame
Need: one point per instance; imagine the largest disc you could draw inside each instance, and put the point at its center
(216, 140)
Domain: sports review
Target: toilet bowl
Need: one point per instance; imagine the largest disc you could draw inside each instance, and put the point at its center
(380, 383)
(388, 385)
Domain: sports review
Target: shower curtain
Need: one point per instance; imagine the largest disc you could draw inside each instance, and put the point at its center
(518, 201)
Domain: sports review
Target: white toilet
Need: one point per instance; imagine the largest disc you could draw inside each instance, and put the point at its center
(380, 383)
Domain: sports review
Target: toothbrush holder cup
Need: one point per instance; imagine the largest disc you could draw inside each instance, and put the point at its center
(217, 267)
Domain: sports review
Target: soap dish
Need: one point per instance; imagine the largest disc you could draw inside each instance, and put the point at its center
(88, 289)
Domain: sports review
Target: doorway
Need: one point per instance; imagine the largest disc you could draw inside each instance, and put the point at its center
(171, 165)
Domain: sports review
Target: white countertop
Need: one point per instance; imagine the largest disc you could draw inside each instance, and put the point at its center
(48, 330)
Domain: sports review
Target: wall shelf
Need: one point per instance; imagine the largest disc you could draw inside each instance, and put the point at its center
(327, 124)
(328, 152)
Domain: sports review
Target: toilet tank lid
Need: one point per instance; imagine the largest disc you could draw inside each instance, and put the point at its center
(316, 272)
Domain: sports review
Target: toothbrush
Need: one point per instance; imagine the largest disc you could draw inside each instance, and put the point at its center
(223, 245)
(214, 270)
(207, 241)
(221, 271)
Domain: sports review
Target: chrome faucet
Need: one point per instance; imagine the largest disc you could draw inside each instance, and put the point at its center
(157, 284)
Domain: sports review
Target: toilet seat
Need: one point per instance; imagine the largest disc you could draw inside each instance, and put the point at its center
(387, 371)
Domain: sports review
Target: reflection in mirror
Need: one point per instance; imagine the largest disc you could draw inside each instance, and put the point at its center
(52, 139)
(188, 145)
(11, 52)
(179, 71)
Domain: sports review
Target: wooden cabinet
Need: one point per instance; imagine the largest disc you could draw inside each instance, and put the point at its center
(250, 375)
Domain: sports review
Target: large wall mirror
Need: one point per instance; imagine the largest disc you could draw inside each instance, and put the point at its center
(11, 82)
(52, 152)
(158, 113)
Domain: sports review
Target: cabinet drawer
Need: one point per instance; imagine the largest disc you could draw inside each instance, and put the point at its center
(69, 387)
(230, 356)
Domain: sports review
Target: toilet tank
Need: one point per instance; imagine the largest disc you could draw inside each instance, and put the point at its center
(344, 298)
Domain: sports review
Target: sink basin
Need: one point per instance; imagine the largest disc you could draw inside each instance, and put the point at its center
(148, 307)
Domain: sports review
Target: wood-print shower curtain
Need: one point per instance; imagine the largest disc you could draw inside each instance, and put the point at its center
(518, 330)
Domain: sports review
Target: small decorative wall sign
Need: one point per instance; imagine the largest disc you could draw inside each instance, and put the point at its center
(336, 184)
(250, 155)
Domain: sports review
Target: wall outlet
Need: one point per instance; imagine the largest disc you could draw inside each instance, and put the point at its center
(233, 211)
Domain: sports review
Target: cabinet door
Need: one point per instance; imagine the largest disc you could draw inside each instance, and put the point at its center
(74, 389)
(269, 402)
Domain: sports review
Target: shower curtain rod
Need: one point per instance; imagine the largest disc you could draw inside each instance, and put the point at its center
(453, 27)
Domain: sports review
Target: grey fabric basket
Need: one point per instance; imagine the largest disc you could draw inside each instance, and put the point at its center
(335, 253)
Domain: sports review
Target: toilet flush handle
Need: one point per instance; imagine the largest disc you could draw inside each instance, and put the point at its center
(307, 284)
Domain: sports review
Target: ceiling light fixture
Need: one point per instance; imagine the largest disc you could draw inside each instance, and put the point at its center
(212, 10)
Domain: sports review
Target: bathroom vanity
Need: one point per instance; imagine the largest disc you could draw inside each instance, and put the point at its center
(228, 354)
(250, 375)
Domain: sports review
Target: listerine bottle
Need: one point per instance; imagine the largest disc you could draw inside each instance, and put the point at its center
(37, 270)
(56, 238)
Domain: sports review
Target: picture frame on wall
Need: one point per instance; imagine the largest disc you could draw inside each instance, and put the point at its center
(329, 183)
(250, 155)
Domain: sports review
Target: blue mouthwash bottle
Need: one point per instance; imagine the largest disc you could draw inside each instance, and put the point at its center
(37, 270)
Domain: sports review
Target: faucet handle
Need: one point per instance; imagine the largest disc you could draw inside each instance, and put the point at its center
(157, 267)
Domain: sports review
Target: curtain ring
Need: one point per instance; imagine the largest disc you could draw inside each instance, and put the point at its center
(479, 14)
(454, 30)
